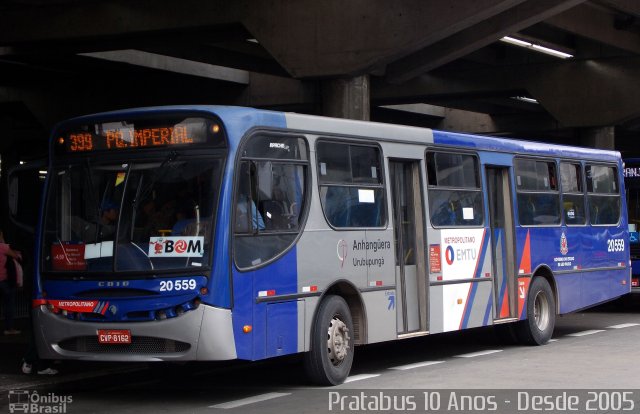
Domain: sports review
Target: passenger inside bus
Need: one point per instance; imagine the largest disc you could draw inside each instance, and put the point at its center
(101, 228)
(248, 218)
(108, 219)
(185, 216)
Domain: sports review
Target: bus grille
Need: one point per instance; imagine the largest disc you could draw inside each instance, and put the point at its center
(138, 345)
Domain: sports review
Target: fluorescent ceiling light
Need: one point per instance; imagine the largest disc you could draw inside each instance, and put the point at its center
(525, 99)
(535, 47)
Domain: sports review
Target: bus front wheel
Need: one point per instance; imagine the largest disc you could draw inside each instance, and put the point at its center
(331, 355)
(541, 314)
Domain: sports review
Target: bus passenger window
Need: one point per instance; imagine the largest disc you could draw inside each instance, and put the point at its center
(603, 194)
(270, 199)
(351, 190)
(248, 219)
(537, 192)
(572, 193)
(455, 197)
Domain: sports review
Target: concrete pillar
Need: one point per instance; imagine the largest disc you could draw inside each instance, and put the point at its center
(346, 98)
(601, 138)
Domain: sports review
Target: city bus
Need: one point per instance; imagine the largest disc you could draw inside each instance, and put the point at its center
(219, 233)
(632, 186)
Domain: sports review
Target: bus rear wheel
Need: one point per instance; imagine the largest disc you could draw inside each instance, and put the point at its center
(541, 314)
(331, 355)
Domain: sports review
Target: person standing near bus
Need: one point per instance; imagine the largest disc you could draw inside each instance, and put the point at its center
(7, 286)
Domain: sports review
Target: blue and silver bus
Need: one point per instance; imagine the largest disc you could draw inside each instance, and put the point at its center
(220, 233)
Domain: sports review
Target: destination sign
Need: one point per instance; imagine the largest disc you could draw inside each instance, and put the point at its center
(114, 136)
(631, 172)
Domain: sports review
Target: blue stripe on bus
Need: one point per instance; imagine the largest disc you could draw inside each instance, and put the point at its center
(275, 325)
(474, 285)
(237, 121)
(487, 312)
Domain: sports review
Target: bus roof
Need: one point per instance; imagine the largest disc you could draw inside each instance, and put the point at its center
(241, 119)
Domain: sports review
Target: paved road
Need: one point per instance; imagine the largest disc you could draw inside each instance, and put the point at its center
(594, 350)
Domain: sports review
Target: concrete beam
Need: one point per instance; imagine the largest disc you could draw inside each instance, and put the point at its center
(171, 64)
(576, 93)
(450, 84)
(475, 37)
(590, 22)
(84, 20)
(588, 93)
(336, 38)
(626, 6)
(278, 92)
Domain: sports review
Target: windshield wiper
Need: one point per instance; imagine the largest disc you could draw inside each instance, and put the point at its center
(170, 158)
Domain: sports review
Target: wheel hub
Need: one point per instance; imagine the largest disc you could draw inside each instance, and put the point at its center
(337, 341)
(541, 311)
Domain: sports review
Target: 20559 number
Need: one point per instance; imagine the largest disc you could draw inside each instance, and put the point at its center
(171, 285)
(615, 245)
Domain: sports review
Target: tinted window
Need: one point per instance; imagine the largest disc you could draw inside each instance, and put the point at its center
(455, 198)
(535, 175)
(572, 194)
(270, 198)
(603, 194)
(351, 190)
(453, 170)
(601, 180)
(128, 217)
(538, 197)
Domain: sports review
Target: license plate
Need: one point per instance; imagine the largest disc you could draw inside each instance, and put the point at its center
(114, 336)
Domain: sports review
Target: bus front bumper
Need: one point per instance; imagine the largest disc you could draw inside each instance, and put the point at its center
(205, 333)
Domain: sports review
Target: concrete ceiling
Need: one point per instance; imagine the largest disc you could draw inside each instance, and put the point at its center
(436, 63)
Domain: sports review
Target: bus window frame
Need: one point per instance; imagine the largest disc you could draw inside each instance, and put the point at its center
(480, 188)
(558, 191)
(617, 174)
(307, 195)
(382, 185)
(583, 182)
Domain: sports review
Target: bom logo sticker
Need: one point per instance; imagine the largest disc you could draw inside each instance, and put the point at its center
(176, 246)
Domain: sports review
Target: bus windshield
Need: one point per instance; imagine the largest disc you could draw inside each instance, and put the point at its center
(144, 216)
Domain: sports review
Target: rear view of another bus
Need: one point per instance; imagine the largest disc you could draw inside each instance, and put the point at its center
(632, 184)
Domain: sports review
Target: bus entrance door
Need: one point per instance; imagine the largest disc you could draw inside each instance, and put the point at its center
(408, 219)
(502, 241)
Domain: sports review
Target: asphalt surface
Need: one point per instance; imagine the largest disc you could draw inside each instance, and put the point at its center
(592, 350)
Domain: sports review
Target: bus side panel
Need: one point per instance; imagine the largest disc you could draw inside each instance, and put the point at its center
(579, 257)
(592, 296)
(569, 291)
(604, 251)
(277, 278)
(281, 327)
(464, 304)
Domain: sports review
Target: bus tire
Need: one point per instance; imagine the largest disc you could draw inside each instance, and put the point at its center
(541, 314)
(329, 360)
